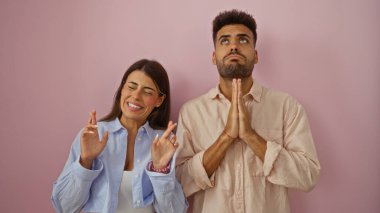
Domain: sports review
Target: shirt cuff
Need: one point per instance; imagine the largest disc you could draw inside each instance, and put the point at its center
(163, 182)
(151, 168)
(86, 174)
(273, 150)
(198, 172)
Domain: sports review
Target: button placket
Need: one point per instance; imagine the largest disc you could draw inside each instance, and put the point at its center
(239, 199)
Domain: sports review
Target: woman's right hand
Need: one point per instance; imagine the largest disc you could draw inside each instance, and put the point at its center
(90, 146)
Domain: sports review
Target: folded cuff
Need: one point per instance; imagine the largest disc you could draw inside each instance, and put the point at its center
(273, 150)
(198, 172)
(86, 174)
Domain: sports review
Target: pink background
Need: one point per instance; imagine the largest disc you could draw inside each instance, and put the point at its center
(60, 59)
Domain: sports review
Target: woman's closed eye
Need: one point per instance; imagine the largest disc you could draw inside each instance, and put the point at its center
(148, 92)
(131, 88)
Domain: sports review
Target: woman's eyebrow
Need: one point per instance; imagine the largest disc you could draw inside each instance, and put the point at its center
(145, 87)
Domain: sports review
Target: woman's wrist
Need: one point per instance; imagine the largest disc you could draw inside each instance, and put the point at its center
(86, 163)
(164, 170)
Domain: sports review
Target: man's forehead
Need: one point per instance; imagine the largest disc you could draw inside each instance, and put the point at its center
(233, 30)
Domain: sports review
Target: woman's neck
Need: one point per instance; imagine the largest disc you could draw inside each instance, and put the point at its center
(130, 124)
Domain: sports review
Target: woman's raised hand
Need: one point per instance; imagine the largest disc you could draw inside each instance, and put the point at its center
(90, 146)
(163, 148)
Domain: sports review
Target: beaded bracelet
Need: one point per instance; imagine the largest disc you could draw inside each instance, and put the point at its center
(165, 170)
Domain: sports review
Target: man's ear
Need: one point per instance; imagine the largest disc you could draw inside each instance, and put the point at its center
(256, 59)
(213, 58)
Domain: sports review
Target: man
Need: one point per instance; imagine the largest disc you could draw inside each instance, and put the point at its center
(243, 145)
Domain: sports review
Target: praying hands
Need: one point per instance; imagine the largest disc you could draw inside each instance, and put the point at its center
(238, 124)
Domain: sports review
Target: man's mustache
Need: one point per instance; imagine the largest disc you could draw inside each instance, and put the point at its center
(234, 53)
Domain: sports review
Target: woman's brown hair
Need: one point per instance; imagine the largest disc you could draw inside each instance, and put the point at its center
(159, 117)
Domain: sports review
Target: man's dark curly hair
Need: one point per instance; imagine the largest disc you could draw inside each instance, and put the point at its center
(234, 17)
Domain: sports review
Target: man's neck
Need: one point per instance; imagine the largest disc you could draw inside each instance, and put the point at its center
(225, 85)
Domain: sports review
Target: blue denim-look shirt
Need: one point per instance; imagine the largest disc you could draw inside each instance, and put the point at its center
(97, 190)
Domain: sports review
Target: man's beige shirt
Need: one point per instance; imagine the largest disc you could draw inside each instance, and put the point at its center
(242, 182)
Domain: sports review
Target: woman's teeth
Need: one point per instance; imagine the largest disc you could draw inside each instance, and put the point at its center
(134, 106)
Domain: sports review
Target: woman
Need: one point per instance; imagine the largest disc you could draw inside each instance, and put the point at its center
(125, 162)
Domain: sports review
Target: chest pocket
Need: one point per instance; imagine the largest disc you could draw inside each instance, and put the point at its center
(254, 163)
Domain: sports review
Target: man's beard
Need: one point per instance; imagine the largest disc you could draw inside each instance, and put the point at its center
(235, 70)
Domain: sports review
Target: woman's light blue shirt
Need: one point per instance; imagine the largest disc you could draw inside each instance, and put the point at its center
(96, 190)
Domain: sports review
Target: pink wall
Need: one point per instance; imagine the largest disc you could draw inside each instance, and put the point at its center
(60, 59)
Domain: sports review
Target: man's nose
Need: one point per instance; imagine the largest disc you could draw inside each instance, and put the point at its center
(234, 46)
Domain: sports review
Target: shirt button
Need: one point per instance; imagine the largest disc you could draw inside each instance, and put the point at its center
(138, 161)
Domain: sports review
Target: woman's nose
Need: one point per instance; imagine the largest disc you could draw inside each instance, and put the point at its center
(136, 94)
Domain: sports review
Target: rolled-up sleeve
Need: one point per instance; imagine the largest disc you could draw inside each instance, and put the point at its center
(190, 170)
(168, 193)
(293, 163)
(72, 189)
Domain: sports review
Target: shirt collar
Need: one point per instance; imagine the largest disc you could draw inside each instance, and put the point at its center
(115, 125)
(148, 129)
(255, 92)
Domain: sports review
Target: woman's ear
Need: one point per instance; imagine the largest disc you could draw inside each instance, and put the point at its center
(160, 100)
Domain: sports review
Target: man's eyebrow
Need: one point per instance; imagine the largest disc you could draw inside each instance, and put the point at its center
(238, 35)
(224, 36)
(243, 35)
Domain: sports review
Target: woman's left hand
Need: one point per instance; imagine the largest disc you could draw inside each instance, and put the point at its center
(163, 148)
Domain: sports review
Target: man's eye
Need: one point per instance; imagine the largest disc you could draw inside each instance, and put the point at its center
(243, 40)
(224, 41)
(131, 88)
